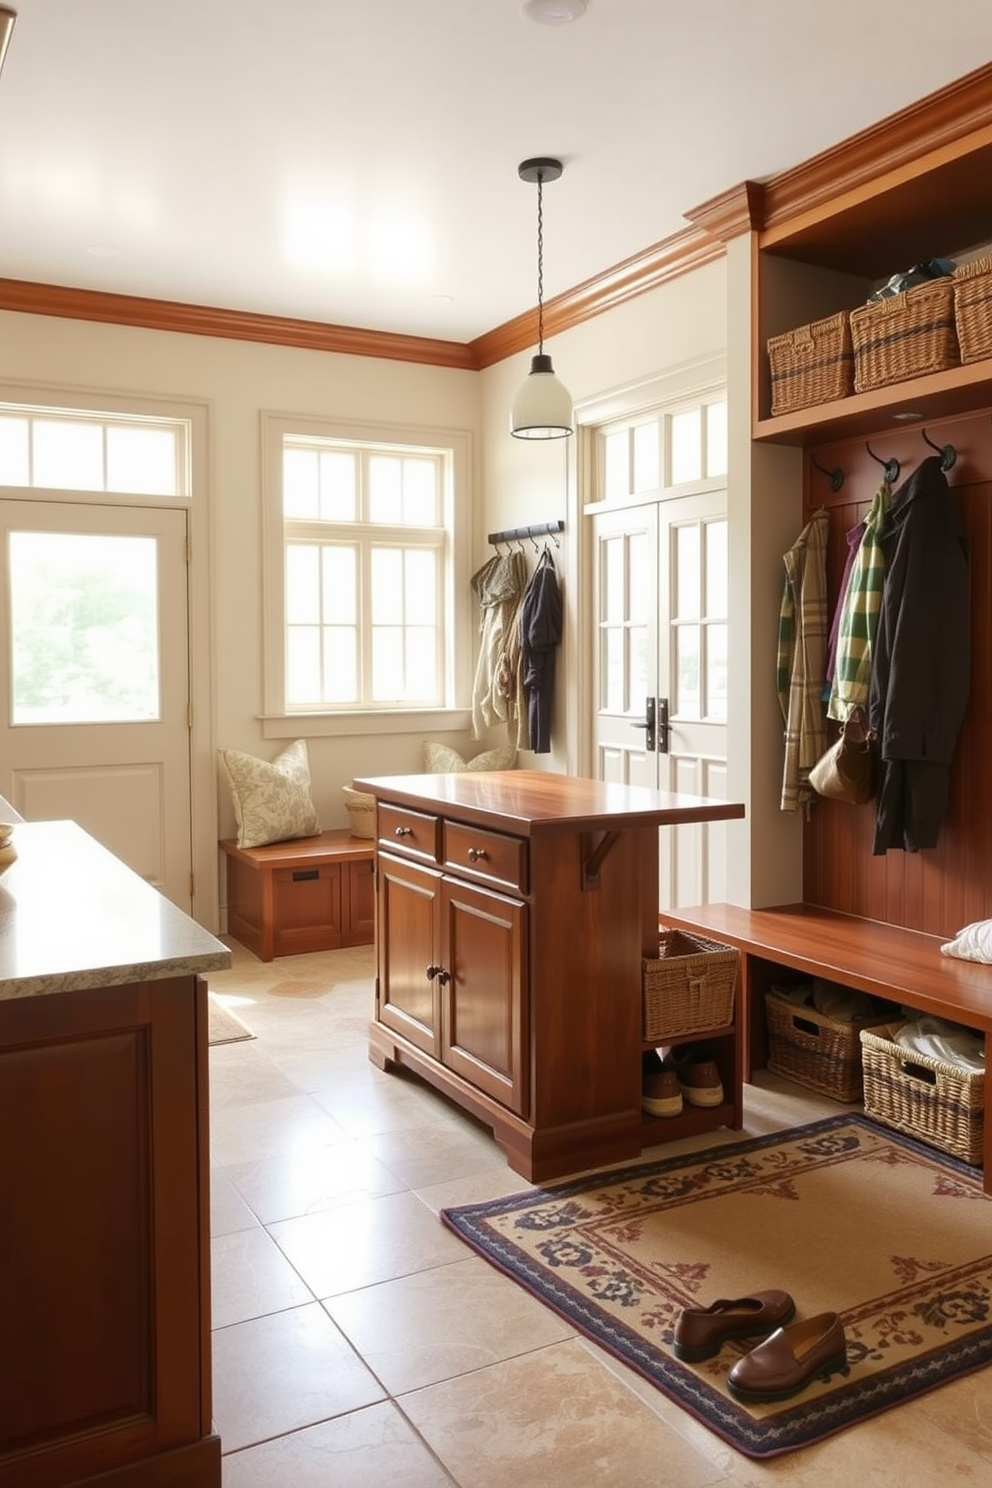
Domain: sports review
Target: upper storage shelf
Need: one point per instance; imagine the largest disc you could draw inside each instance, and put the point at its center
(827, 233)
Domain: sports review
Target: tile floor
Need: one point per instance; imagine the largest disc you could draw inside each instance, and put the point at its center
(357, 1342)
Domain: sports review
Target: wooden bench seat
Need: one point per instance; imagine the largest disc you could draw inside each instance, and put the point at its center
(310, 894)
(904, 966)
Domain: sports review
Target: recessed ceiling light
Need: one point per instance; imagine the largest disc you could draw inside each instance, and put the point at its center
(555, 12)
(442, 300)
(103, 250)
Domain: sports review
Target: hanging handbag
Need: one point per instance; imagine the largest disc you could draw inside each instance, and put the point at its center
(846, 772)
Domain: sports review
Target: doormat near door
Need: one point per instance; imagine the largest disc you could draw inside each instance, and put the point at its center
(223, 1026)
(848, 1217)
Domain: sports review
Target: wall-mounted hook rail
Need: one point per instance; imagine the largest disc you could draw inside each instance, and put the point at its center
(517, 534)
(948, 454)
(892, 467)
(835, 477)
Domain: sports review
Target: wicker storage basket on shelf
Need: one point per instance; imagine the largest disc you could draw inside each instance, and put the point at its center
(925, 1097)
(905, 336)
(812, 364)
(815, 1050)
(973, 309)
(361, 811)
(689, 988)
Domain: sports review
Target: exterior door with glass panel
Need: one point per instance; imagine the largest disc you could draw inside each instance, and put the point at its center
(659, 608)
(94, 663)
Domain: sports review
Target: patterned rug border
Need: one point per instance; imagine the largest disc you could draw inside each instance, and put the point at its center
(797, 1426)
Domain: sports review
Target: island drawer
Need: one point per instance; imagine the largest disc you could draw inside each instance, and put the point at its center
(492, 857)
(414, 834)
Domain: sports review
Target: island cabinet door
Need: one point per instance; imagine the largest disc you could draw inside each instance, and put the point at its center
(104, 1291)
(407, 997)
(484, 1007)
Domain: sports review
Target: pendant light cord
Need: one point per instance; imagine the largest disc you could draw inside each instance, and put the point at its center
(540, 264)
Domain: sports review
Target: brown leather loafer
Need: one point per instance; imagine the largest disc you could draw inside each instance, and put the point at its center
(702, 1331)
(786, 1362)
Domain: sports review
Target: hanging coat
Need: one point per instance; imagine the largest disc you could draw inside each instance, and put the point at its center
(922, 659)
(802, 645)
(857, 614)
(540, 634)
(497, 690)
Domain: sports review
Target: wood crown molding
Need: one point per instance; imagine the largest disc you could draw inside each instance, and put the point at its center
(686, 250)
(234, 325)
(936, 121)
(731, 213)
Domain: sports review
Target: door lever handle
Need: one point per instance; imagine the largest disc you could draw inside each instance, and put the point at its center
(647, 723)
(664, 727)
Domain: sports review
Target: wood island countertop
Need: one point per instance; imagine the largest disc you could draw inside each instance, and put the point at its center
(73, 917)
(535, 801)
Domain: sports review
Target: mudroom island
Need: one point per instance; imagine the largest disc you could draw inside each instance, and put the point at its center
(513, 911)
(104, 1176)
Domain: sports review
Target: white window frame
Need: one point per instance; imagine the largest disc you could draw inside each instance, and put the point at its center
(280, 721)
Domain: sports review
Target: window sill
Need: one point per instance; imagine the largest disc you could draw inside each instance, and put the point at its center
(369, 722)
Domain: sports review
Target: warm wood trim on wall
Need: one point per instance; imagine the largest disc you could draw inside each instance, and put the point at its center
(936, 122)
(234, 325)
(686, 250)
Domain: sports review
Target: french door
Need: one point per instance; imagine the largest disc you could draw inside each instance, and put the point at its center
(659, 609)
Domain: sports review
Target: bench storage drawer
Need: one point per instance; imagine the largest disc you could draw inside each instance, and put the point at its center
(923, 1096)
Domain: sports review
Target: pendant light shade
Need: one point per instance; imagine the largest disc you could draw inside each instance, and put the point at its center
(542, 408)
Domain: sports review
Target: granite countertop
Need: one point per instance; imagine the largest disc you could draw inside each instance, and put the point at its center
(72, 916)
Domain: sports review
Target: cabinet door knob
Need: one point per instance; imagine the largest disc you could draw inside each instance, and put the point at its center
(476, 854)
(444, 977)
(403, 832)
(432, 972)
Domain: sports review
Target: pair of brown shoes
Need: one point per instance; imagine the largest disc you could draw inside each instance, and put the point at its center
(684, 1076)
(788, 1359)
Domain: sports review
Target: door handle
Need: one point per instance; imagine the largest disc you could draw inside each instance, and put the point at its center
(664, 727)
(647, 724)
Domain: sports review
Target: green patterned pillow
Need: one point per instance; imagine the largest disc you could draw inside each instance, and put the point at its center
(272, 802)
(440, 760)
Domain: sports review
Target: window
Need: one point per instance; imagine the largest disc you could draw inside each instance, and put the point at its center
(362, 555)
(647, 455)
(65, 449)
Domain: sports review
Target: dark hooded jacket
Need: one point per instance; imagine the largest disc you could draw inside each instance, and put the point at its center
(921, 658)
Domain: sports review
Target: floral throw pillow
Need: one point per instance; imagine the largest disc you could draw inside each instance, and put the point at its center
(440, 760)
(272, 802)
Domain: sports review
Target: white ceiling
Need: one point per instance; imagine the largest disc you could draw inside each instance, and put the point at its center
(356, 163)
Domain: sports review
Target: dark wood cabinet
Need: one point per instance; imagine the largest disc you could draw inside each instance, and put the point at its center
(104, 1243)
(513, 913)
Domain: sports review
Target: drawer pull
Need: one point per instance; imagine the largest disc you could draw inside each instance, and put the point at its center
(403, 832)
(477, 854)
(303, 875)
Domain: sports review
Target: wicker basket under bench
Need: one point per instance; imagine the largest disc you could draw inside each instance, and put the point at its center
(886, 961)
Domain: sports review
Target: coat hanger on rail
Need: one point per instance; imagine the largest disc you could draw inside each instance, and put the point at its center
(892, 467)
(948, 454)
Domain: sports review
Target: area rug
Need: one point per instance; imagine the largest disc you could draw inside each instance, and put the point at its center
(223, 1026)
(845, 1215)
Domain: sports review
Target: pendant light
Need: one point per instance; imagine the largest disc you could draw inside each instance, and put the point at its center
(542, 408)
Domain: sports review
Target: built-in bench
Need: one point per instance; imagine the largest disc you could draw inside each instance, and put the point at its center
(310, 894)
(903, 966)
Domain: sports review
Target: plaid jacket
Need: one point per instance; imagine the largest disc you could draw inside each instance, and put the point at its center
(859, 611)
(802, 645)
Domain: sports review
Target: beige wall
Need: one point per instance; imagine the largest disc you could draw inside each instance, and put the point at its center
(516, 482)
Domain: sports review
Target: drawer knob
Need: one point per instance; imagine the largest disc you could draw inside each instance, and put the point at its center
(403, 832)
(476, 854)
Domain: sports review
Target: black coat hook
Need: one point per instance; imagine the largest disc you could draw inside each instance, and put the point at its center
(892, 466)
(836, 477)
(948, 454)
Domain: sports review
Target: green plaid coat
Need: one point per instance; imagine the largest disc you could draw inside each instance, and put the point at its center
(860, 607)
